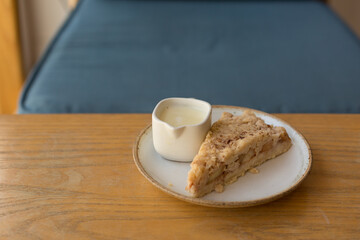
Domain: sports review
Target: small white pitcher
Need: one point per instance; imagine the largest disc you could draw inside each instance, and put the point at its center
(183, 142)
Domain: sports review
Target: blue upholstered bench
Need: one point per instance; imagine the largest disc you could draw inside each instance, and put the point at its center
(115, 56)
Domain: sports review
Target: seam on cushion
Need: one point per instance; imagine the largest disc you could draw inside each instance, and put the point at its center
(34, 72)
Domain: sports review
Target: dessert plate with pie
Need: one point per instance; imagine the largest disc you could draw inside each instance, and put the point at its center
(247, 158)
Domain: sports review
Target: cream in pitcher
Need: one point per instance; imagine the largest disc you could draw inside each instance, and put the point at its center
(180, 115)
(179, 126)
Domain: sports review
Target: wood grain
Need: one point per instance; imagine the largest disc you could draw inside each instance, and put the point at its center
(73, 177)
(11, 76)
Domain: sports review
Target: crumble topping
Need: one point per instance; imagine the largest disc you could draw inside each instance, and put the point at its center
(232, 143)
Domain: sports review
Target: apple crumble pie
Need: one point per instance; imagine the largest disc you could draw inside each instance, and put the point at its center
(234, 145)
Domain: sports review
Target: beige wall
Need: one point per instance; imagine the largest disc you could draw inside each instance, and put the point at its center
(39, 20)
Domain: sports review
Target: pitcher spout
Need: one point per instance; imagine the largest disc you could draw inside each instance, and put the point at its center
(176, 132)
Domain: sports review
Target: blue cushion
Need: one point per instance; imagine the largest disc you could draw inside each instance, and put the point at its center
(116, 56)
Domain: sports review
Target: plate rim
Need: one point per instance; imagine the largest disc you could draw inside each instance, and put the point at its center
(219, 204)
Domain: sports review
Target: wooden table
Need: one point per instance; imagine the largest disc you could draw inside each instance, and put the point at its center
(73, 177)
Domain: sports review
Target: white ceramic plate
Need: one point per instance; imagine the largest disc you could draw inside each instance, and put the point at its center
(276, 177)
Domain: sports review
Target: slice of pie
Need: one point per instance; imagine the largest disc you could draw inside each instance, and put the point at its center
(234, 145)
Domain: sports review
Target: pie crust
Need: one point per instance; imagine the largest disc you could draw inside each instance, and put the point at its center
(233, 145)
